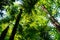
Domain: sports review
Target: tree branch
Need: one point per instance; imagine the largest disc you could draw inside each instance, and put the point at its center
(53, 20)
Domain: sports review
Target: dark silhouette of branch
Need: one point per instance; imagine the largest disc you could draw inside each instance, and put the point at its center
(4, 33)
(53, 20)
(16, 25)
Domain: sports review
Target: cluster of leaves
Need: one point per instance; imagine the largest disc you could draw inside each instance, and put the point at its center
(30, 27)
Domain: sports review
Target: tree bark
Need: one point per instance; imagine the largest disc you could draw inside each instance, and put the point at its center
(16, 25)
(53, 20)
(4, 33)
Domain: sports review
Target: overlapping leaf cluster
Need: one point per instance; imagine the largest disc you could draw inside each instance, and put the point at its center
(30, 27)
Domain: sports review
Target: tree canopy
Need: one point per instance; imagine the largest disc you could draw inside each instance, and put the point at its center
(29, 19)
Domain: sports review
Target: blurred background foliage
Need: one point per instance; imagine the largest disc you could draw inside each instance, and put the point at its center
(34, 23)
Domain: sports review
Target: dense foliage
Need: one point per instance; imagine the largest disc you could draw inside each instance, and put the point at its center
(29, 19)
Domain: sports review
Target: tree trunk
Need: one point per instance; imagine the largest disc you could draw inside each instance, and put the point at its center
(4, 33)
(53, 20)
(16, 25)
